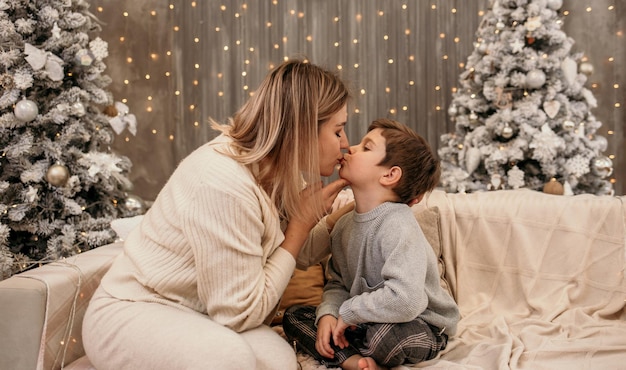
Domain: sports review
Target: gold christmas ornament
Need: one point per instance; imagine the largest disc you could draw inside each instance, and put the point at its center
(586, 68)
(110, 111)
(553, 187)
(57, 175)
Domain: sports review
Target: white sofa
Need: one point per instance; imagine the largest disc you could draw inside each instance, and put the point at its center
(539, 280)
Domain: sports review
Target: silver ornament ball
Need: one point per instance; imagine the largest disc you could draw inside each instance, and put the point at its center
(135, 204)
(606, 188)
(602, 166)
(26, 110)
(57, 175)
(535, 79)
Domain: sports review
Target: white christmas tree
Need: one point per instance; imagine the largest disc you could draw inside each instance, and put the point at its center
(522, 111)
(60, 183)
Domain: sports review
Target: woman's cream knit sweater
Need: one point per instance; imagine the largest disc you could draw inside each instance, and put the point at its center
(210, 243)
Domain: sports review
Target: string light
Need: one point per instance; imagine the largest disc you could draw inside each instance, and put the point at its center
(160, 67)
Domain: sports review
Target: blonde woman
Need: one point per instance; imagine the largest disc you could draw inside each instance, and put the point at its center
(210, 260)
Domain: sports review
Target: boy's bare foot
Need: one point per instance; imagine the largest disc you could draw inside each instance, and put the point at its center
(358, 362)
(368, 363)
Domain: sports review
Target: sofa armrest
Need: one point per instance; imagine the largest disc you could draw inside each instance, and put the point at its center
(42, 310)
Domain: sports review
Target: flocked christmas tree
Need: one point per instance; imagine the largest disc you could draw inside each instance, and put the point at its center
(60, 183)
(522, 111)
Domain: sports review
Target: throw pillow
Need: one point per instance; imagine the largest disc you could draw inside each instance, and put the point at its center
(304, 288)
(429, 221)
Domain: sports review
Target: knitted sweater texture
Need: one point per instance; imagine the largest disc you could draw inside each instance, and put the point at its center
(384, 271)
(210, 244)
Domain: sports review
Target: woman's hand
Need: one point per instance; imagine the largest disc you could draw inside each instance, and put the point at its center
(299, 227)
(332, 218)
(325, 327)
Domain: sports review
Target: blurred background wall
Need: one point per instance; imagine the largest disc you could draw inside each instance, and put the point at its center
(177, 63)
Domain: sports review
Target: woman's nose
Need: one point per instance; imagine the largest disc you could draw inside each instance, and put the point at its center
(343, 143)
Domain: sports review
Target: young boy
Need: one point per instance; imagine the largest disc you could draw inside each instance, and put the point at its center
(383, 305)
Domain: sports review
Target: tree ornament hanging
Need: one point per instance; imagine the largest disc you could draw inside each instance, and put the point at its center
(551, 108)
(57, 175)
(504, 99)
(26, 110)
(38, 59)
(515, 177)
(79, 109)
(533, 23)
(568, 67)
(6, 81)
(472, 159)
(602, 166)
(568, 125)
(535, 79)
(586, 68)
(84, 57)
(507, 132)
(553, 187)
(135, 204)
(110, 111)
(495, 183)
(123, 119)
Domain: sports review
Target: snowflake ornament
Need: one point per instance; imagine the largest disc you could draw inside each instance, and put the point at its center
(99, 48)
(577, 166)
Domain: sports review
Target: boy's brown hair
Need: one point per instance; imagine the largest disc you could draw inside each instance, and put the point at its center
(412, 153)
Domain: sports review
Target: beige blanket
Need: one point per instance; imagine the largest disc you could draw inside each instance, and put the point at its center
(539, 280)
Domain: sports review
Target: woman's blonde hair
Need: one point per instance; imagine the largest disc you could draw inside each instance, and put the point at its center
(277, 128)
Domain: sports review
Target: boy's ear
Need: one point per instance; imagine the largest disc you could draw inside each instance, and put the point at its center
(392, 176)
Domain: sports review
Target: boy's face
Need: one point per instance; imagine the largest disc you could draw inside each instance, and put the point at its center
(360, 164)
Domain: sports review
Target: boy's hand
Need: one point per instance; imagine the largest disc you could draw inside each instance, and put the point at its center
(325, 327)
(339, 332)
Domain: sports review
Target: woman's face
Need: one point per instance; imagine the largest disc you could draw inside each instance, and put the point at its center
(332, 140)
